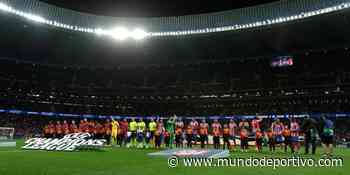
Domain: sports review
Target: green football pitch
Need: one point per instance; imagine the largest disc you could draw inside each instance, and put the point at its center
(112, 161)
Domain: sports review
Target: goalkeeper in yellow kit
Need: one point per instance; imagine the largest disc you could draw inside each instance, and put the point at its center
(114, 132)
(141, 129)
(132, 129)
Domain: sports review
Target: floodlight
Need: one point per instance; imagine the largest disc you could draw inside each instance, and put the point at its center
(120, 33)
(5, 7)
(138, 34)
(35, 18)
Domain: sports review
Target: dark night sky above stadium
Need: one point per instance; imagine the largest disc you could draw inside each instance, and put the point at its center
(153, 8)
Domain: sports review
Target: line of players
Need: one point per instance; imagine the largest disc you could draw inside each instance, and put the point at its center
(136, 134)
(277, 134)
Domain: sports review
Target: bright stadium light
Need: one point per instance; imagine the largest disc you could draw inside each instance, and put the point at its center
(35, 18)
(5, 7)
(120, 33)
(138, 34)
(99, 31)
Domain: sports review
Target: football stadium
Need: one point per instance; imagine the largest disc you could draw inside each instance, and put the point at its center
(170, 87)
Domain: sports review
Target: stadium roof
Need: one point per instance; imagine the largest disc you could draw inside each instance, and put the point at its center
(153, 8)
(29, 32)
(25, 40)
(122, 28)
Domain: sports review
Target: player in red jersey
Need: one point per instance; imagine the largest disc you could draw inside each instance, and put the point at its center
(65, 127)
(258, 139)
(244, 124)
(46, 131)
(195, 127)
(179, 126)
(244, 139)
(123, 131)
(73, 127)
(294, 133)
(94, 130)
(160, 127)
(277, 129)
(98, 130)
(91, 127)
(84, 126)
(52, 129)
(287, 138)
(167, 139)
(203, 133)
(108, 131)
(178, 134)
(271, 140)
(59, 131)
(233, 130)
(256, 124)
(216, 129)
(159, 133)
(81, 126)
(157, 138)
(189, 135)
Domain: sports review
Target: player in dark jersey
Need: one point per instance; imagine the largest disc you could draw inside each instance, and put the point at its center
(258, 139)
(189, 135)
(178, 137)
(108, 131)
(226, 137)
(287, 138)
(271, 140)
(244, 139)
(327, 135)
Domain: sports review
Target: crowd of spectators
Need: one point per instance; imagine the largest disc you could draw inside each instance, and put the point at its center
(317, 82)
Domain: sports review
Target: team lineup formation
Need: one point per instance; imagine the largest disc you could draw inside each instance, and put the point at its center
(227, 134)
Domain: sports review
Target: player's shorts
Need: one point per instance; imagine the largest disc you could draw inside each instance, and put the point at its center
(287, 140)
(203, 138)
(244, 141)
(259, 141)
(178, 138)
(226, 138)
(327, 139)
(158, 140)
(216, 140)
(152, 134)
(140, 136)
(271, 141)
(279, 139)
(133, 134)
(294, 139)
(189, 137)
